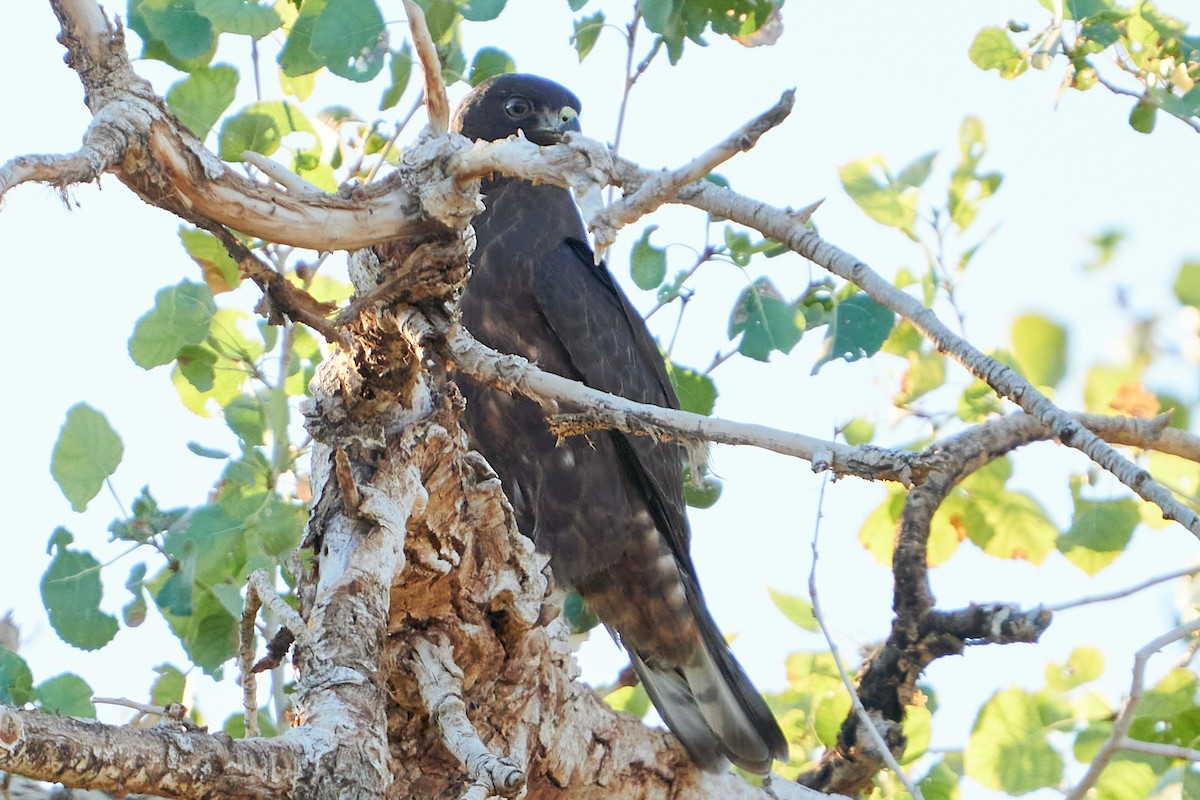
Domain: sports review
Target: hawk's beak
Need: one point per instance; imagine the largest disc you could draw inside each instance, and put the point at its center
(551, 125)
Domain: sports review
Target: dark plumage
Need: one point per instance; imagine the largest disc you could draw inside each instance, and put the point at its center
(607, 508)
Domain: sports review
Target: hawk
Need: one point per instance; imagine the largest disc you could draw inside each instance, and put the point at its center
(607, 508)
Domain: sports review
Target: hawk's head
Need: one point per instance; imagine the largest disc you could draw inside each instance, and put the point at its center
(500, 106)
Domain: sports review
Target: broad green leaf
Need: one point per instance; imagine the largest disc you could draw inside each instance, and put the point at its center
(878, 531)
(798, 610)
(208, 633)
(201, 98)
(992, 49)
(915, 173)
(349, 38)
(1128, 777)
(917, 730)
(481, 10)
(197, 364)
(261, 128)
(765, 321)
(220, 270)
(71, 593)
(66, 695)
(829, 713)
(134, 612)
(87, 452)
(280, 524)
(1085, 664)
(1187, 284)
(888, 203)
(1040, 348)
(400, 64)
(647, 263)
(941, 782)
(181, 316)
(246, 417)
(630, 699)
(696, 391)
(926, 372)
(243, 17)
(859, 430)
(168, 686)
(298, 86)
(1008, 750)
(297, 57)
(16, 681)
(173, 32)
(702, 492)
(576, 5)
(587, 31)
(230, 597)
(1100, 531)
(1005, 523)
(1141, 119)
(857, 329)
(490, 62)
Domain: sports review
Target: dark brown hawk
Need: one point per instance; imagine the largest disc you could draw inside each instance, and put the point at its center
(607, 508)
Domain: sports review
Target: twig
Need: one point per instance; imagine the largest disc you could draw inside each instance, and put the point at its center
(663, 186)
(866, 721)
(1119, 593)
(175, 711)
(1126, 717)
(440, 682)
(103, 146)
(1159, 749)
(436, 102)
(260, 590)
(281, 174)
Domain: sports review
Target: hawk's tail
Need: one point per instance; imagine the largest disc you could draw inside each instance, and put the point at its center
(712, 708)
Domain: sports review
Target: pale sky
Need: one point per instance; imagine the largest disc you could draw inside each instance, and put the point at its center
(886, 78)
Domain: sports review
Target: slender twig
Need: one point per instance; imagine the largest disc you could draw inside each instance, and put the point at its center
(1125, 718)
(1126, 592)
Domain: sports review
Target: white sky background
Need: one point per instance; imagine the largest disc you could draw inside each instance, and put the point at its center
(888, 78)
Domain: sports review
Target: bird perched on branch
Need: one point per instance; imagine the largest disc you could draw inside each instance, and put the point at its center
(608, 507)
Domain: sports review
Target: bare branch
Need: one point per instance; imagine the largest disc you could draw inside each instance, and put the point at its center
(168, 760)
(663, 186)
(1126, 592)
(1118, 738)
(440, 682)
(1160, 749)
(436, 102)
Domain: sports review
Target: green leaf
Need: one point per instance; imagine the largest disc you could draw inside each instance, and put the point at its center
(168, 686)
(992, 49)
(401, 64)
(702, 491)
(221, 272)
(245, 417)
(134, 612)
(1085, 664)
(297, 57)
(71, 593)
(172, 31)
(765, 320)
(887, 202)
(798, 610)
(87, 452)
(647, 263)
(261, 128)
(1141, 119)
(696, 391)
(349, 38)
(481, 10)
(630, 699)
(1008, 750)
(490, 62)
(577, 4)
(201, 98)
(858, 327)
(66, 695)
(587, 31)
(1099, 532)
(1187, 284)
(242, 17)
(16, 681)
(915, 173)
(198, 365)
(858, 431)
(1040, 348)
(181, 316)
(1005, 523)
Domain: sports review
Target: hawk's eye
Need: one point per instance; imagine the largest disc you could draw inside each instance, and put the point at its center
(517, 107)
